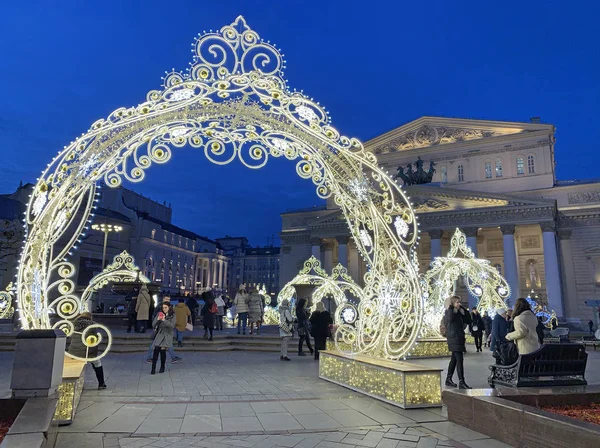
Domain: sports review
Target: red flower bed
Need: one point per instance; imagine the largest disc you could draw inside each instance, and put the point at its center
(590, 413)
(4, 427)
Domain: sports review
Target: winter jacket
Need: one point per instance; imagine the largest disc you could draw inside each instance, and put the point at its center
(499, 331)
(143, 305)
(525, 334)
(164, 331)
(182, 313)
(455, 328)
(77, 347)
(487, 324)
(476, 321)
(131, 305)
(255, 307)
(285, 315)
(320, 321)
(220, 306)
(241, 302)
(208, 318)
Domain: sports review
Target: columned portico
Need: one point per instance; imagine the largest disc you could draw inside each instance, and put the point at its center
(511, 272)
(436, 243)
(342, 250)
(551, 268)
(568, 269)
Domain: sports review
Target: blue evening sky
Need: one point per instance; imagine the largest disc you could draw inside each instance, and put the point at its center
(375, 65)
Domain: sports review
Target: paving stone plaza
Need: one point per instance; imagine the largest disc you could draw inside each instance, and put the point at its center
(241, 399)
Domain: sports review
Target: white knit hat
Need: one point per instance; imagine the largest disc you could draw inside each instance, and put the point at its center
(501, 311)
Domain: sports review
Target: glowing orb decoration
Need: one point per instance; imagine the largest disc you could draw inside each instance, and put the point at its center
(348, 314)
(233, 104)
(482, 280)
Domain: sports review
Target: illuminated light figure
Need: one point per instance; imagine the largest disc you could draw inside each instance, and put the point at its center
(234, 103)
(482, 280)
(548, 316)
(6, 297)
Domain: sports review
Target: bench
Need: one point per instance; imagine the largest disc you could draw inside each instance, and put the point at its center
(551, 365)
(69, 392)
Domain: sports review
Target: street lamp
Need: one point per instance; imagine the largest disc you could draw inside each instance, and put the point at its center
(106, 229)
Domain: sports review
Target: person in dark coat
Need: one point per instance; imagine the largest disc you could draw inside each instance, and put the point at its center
(131, 300)
(455, 318)
(591, 327)
(540, 331)
(209, 310)
(303, 327)
(476, 328)
(192, 304)
(487, 327)
(320, 321)
(78, 349)
(499, 330)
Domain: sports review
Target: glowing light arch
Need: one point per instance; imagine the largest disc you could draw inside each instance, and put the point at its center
(232, 103)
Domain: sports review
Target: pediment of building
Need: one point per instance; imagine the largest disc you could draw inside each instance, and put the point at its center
(432, 131)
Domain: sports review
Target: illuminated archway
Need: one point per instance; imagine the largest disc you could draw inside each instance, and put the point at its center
(483, 281)
(232, 103)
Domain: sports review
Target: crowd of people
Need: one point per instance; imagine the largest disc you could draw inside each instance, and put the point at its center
(509, 334)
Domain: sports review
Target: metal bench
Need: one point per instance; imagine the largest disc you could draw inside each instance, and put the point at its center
(551, 365)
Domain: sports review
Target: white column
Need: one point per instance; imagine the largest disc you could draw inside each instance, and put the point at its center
(225, 277)
(221, 274)
(342, 250)
(436, 243)
(316, 248)
(471, 233)
(570, 289)
(209, 274)
(354, 265)
(215, 278)
(327, 263)
(551, 268)
(511, 273)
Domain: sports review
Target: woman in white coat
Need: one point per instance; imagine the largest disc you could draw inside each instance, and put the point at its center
(525, 334)
(241, 305)
(286, 322)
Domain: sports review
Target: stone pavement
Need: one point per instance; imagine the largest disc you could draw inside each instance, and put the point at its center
(248, 399)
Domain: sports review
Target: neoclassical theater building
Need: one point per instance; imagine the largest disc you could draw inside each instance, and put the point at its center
(494, 180)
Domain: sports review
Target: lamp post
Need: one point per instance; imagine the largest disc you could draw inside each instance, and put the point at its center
(106, 229)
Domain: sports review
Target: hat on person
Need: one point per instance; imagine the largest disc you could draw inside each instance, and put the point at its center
(501, 311)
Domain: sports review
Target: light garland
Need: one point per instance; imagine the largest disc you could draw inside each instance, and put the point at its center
(7, 309)
(548, 316)
(233, 104)
(483, 281)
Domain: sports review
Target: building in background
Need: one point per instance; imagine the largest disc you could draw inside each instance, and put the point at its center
(251, 266)
(496, 181)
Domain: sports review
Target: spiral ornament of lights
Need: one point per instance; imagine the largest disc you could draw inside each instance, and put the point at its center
(482, 280)
(7, 309)
(548, 316)
(232, 103)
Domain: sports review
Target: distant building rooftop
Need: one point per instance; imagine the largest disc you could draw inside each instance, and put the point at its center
(263, 251)
(173, 228)
(314, 208)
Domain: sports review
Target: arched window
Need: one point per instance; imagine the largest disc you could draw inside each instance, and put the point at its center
(498, 168)
(488, 170)
(461, 173)
(530, 164)
(444, 174)
(520, 166)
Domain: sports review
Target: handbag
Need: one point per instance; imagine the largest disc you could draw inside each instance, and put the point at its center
(189, 327)
(507, 353)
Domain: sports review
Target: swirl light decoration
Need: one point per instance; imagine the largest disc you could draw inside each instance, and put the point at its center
(233, 103)
(483, 281)
(548, 316)
(6, 302)
(337, 285)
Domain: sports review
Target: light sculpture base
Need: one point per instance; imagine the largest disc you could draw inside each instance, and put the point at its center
(424, 348)
(402, 384)
(69, 392)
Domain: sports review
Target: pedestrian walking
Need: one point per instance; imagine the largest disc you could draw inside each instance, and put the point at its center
(241, 305)
(174, 358)
(209, 311)
(79, 349)
(320, 322)
(192, 304)
(456, 318)
(131, 313)
(163, 325)
(540, 330)
(142, 308)
(476, 329)
(591, 327)
(286, 325)
(302, 315)
(487, 327)
(525, 334)
(183, 315)
(255, 310)
(220, 312)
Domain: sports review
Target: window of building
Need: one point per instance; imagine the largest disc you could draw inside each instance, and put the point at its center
(530, 164)
(461, 173)
(444, 174)
(520, 166)
(498, 168)
(488, 170)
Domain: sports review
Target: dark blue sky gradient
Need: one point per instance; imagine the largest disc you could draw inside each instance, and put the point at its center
(375, 65)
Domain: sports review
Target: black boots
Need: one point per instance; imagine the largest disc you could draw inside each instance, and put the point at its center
(99, 371)
(463, 385)
(450, 383)
(163, 359)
